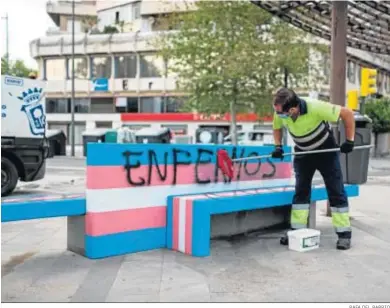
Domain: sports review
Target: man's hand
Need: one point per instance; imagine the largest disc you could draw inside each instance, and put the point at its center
(347, 146)
(278, 152)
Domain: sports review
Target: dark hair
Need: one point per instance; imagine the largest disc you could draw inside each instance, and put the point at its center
(287, 98)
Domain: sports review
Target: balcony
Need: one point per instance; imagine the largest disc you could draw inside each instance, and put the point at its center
(161, 7)
(55, 45)
(116, 87)
(57, 8)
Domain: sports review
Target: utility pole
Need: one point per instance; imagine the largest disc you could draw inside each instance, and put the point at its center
(73, 92)
(6, 40)
(338, 63)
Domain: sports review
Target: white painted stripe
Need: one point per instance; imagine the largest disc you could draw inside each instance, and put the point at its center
(182, 224)
(105, 200)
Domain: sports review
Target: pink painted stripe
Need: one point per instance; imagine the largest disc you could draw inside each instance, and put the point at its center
(188, 231)
(103, 177)
(126, 220)
(175, 233)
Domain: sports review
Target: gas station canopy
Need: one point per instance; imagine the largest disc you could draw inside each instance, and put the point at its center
(368, 26)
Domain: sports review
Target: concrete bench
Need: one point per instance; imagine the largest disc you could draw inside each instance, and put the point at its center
(35, 206)
(189, 216)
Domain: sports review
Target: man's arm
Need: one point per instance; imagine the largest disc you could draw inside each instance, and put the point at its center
(278, 134)
(349, 123)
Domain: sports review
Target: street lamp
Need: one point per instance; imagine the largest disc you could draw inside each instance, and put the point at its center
(72, 128)
(6, 40)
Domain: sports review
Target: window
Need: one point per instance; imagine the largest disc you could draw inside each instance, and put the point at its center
(151, 105)
(57, 105)
(136, 10)
(55, 69)
(102, 105)
(151, 66)
(103, 124)
(351, 72)
(117, 17)
(126, 66)
(101, 67)
(132, 105)
(80, 68)
(81, 105)
(173, 104)
(64, 105)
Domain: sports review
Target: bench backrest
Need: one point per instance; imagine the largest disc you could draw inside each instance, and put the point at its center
(134, 180)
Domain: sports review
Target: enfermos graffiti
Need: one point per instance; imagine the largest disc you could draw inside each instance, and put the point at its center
(205, 171)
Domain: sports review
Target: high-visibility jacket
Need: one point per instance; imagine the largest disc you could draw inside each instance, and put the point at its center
(311, 129)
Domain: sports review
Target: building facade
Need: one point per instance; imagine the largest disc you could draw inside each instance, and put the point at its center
(119, 77)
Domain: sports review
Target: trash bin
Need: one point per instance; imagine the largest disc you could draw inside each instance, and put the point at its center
(57, 142)
(355, 164)
(97, 135)
(111, 136)
(150, 135)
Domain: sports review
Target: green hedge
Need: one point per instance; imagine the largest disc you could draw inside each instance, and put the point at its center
(379, 112)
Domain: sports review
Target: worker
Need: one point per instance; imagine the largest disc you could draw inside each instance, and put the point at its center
(307, 121)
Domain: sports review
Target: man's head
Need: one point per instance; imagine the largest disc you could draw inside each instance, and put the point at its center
(286, 103)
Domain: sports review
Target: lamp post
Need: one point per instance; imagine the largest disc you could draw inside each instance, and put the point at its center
(73, 92)
(6, 40)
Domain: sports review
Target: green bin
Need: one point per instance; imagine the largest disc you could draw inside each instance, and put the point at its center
(111, 136)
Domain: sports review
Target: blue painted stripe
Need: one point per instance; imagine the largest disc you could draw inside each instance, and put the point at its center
(125, 242)
(42, 209)
(169, 224)
(111, 154)
(201, 235)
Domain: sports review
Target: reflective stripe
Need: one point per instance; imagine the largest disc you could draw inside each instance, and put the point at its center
(312, 135)
(340, 220)
(314, 145)
(340, 209)
(299, 217)
(303, 206)
(298, 226)
(343, 229)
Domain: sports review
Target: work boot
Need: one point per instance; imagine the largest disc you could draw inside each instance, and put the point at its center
(343, 243)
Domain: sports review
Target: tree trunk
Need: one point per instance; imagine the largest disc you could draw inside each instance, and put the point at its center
(233, 123)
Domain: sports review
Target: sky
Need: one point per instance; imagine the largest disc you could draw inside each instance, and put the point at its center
(27, 20)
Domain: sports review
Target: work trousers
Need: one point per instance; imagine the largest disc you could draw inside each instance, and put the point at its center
(328, 164)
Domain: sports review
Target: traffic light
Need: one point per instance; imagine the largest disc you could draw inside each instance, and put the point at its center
(368, 82)
(353, 99)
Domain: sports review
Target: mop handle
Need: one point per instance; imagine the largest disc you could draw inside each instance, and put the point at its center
(302, 153)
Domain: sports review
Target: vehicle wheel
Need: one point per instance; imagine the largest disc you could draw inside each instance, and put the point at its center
(9, 176)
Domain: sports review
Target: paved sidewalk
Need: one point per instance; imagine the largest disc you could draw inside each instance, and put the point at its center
(36, 267)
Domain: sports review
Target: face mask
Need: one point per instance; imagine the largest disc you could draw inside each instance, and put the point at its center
(283, 115)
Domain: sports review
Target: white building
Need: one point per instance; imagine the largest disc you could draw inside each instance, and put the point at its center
(119, 77)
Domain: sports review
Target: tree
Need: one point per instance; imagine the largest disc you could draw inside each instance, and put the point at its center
(231, 55)
(17, 68)
(378, 110)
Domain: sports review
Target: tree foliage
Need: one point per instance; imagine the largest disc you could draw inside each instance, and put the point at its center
(17, 68)
(234, 52)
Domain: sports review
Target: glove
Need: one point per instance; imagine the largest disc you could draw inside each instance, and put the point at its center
(278, 152)
(347, 146)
